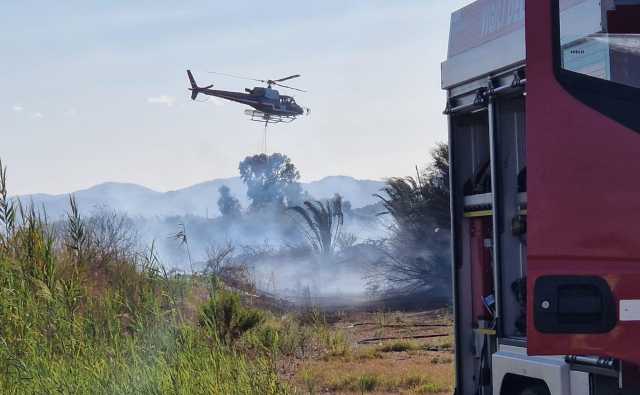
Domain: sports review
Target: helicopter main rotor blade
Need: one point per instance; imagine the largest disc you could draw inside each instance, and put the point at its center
(236, 76)
(288, 78)
(289, 87)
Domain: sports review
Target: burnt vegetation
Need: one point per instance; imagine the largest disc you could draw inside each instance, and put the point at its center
(299, 247)
(417, 256)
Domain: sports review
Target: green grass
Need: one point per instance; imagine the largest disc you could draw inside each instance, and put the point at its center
(369, 382)
(398, 346)
(78, 318)
(54, 342)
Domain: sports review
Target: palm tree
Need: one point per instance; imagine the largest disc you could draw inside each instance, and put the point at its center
(322, 223)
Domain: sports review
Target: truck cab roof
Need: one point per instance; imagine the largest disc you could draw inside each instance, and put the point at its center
(487, 36)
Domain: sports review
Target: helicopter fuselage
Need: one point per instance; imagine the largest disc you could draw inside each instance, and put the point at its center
(266, 100)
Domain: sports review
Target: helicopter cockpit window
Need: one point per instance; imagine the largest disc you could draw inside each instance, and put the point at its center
(601, 38)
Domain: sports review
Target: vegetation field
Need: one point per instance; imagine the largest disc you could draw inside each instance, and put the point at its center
(377, 353)
(82, 311)
(85, 310)
(71, 326)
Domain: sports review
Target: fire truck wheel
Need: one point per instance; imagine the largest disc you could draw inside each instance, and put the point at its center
(537, 389)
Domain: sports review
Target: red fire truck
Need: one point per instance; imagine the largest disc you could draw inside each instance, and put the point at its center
(543, 102)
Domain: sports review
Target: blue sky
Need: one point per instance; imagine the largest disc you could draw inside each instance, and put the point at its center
(96, 91)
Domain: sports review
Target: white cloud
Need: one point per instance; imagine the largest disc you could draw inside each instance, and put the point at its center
(37, 115)
(17, 108)
(163, 99)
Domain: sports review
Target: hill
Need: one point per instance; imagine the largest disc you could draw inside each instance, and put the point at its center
(199, 199)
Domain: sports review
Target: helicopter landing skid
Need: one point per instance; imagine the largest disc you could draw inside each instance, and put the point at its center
(259, 116)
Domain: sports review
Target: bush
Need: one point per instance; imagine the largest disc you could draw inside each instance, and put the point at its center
(227, 318)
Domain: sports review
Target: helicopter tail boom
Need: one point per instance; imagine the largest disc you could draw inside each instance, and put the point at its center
(195, 89)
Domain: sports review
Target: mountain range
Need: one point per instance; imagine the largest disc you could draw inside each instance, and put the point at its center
(199, 199)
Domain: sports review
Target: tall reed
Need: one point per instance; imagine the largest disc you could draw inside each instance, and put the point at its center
(71, 326)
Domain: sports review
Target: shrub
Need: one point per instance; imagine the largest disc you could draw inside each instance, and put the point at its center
(227, 318)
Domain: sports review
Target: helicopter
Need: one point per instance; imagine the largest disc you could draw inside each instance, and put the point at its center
(269, 105)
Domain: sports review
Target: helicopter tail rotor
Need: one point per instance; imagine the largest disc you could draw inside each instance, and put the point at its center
(194, 86)
(195, 89)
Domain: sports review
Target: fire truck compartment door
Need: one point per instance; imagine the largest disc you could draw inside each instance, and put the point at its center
(583, 164)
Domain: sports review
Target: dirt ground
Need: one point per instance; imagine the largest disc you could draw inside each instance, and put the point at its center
(378, 353)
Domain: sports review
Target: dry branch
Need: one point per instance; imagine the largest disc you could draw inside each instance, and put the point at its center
(401, 325)
(375, 339)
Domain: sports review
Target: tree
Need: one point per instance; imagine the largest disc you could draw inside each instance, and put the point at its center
(436, 185)
(417, 204)
(228, 205)
(322, 223)
(418, 253)
(272, 180)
